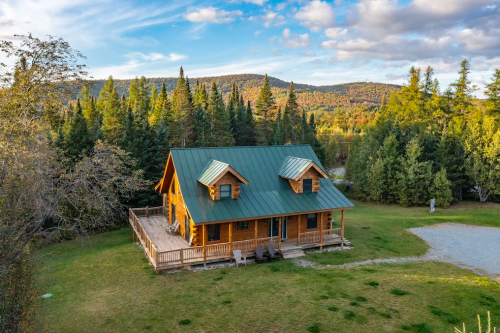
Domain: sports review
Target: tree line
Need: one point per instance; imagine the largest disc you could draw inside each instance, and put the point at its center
(147, 123)
(424, 143)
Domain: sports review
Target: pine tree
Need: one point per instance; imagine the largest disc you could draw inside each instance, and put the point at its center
(202, 128)
(162, 149)
(250, 139)
(221, 133)
(77, 139)
(462, 101)
(288, 129)
(304, 129)
(232, 115)
(313, 139)
(113, 118)
(415, 177)
(241, 137)
(292, 108)
(376, 181)
(162, 110)
(279, 135)
(265, 109)
(389, 155)
(139, 98)
(493, 94)
(440, 189)
(153, 98)
(183, 113)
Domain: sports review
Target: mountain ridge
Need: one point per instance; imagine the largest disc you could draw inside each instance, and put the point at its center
(352, 94)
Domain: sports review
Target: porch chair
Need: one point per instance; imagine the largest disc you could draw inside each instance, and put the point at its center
(272, 253)
(259, 255)
(171, 228)
(238, 258)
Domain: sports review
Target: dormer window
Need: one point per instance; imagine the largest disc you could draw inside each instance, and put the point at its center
(225, 191)
(307, 185)
(302, 174)
(222, 180)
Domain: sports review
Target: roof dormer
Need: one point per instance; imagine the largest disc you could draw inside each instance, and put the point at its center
(303, 174)
(222, 180)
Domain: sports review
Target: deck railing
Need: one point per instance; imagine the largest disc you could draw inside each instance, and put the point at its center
(313, 237)
(200, 254)
(147, 244)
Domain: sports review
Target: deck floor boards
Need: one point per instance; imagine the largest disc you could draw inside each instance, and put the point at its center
(156, 229)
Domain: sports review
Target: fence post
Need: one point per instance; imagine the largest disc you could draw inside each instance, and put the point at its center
(147, 211)
(298, 230)
(182, 256)
(204, 242)
(342, 228)
(321, 230)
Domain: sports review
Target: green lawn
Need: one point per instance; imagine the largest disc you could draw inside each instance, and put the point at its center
(106, 284)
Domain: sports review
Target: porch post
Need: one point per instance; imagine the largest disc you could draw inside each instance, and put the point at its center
(298, 230)
(279, 234)
(204, 242)
(321, 230)
(230, 238)
(147, 211)
(256, 227)
(342, 228)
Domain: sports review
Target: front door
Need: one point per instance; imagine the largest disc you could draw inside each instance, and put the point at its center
(172, 214)
(186, 226)
(274, 226)
(284, 227)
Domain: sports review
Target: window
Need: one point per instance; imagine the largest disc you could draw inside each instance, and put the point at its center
(242, 225)
(225, 191)
(312, 221)
(307, 185)
(172, 187)
(213, 231)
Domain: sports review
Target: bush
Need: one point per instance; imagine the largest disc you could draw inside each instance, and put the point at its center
(399, 292)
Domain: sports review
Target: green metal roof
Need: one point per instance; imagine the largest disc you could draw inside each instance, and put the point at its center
(212, 171)
(293, 166)
(266, 194)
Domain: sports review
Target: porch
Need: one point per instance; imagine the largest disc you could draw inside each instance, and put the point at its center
(166, 251)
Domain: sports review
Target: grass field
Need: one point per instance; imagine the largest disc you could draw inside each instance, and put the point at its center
(105, 284)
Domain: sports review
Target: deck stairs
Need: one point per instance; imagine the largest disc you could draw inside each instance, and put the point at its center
(291, 251)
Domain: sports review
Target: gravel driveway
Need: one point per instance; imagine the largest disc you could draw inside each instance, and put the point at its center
(471, 247)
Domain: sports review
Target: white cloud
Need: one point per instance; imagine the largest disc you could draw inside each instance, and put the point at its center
(154, 56)
(335, 32)
(393, 76)
(316, 15)
(256, 2)
(212, 14)
(294, 41)
(270, 18)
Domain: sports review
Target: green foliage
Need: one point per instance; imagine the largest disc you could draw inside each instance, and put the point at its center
(399, 292)
(440, 189)
(265, 109)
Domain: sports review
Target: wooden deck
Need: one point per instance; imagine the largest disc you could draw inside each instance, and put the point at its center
(166, 251)
(155, 228)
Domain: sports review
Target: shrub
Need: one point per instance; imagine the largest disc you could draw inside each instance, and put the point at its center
(349, 315)
(399, 292)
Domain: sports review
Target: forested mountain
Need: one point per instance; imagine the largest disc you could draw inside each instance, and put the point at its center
(311, 97)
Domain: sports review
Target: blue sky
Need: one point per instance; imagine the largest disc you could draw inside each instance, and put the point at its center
(315, 42)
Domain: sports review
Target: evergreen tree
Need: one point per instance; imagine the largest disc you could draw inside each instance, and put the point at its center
(250, 139)
(462, 99)
(232, 115)
(113, 118)
(493, 94)
(139, 98)
(241, 123)
(415, 177)
(289, 133)
(221, 133)
(202, 128)
(162, 110)
(312, 139)
(376, 181)
(304, 129)
(279, 135)
(77, 140)
(440, 189)
(265, 109)
(183, 113)
(388, 154)
(153, 98)
(162, 149)
(292, 108)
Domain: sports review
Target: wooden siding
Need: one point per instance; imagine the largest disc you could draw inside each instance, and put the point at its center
(180, 207)
(227, 179)
(309, 174)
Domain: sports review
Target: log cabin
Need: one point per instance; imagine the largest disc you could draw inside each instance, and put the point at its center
(231, 198)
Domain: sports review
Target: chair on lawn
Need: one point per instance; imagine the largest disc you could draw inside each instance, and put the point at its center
(272, 253)
(238, 258)
(259, 255)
